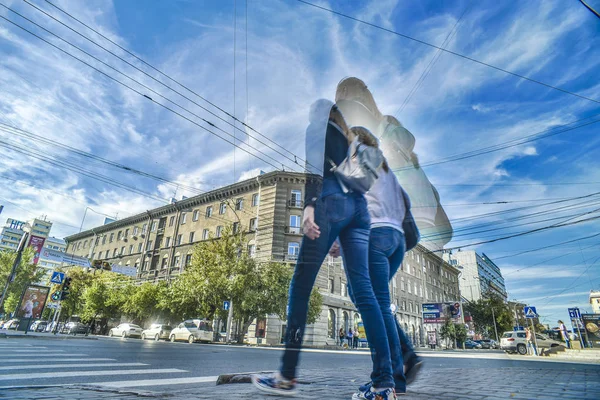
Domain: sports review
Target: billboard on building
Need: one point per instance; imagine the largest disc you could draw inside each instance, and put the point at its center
(124, 270)
(438, 313)
(32, 302)
(60, 257)
(37, 244)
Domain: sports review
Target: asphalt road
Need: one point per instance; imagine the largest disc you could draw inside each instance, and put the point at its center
(180, 368)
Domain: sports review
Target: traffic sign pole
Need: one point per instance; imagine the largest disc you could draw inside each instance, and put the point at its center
(229, 318)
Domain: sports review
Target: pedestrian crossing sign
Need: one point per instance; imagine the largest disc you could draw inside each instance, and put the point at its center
(530, 312)
(57, 277)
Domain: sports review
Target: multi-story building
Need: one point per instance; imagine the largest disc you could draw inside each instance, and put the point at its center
(479, 274)
(49, 264)
(268, 208)
(13, 231)
(595, 301)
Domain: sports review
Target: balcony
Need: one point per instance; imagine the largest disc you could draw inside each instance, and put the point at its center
(295, 203)
(293, 230)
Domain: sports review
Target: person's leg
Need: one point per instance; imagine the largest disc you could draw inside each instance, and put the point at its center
(382, 243)
(355, 244)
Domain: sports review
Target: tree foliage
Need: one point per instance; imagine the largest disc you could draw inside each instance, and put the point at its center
(483, 317)
(26, 273)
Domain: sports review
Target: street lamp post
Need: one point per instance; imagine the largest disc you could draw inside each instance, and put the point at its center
(11, 276)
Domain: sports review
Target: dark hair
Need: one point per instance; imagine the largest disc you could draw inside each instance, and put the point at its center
(366, 137)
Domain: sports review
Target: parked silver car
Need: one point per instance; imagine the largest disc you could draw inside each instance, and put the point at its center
(516, 342)
(38, 326)
(157, 332)
(193, 330)
(126, 330)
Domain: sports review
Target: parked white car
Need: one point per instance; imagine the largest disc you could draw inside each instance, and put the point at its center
(192, 330)
(157, 332)
(126, 330)
(516, 342)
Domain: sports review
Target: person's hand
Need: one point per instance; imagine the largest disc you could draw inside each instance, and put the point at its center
(335, 250)
(310, 229)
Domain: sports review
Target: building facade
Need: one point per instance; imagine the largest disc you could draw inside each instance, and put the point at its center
(479, 274)
(595, 301)
(268, 209)
(13, 231)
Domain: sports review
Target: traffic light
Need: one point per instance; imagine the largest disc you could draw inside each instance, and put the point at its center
(56, 295)
(65, 288)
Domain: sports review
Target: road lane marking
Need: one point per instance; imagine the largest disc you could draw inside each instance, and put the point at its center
(70, 374)
(49, 355)
(58, 366)
(157, 382)
(37, 351)
(19, 347)
(7, 360)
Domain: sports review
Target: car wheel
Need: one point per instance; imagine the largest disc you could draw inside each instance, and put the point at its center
(522, 349)
(143, 336)
(110, 333)
(191, 339)
(156, 337)
(124, 335)
(172, 338)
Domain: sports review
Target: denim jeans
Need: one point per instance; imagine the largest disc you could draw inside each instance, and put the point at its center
(386, 252)
(344, 216)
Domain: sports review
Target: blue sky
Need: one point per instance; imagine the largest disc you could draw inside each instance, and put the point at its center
(296, 54)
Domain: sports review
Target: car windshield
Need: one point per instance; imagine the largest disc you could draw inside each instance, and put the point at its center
(166, 327)
(507, 335)
(133, 326)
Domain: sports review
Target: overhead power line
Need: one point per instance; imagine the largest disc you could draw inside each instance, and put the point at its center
(450, 52)
(547, 247)
(296, 158)
(586, 5)
(140, 93)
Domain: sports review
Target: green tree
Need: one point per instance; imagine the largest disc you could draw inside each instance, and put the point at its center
(144, 301)
(26, 273)
(487, 309)
(80, 281)
(106, 296)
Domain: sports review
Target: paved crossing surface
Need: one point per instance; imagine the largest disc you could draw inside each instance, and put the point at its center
(42, 368)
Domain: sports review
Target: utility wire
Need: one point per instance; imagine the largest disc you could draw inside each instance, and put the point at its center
(450, 52)
(596, 13)
(166, 76)
(137, 91)
(491, 149)
(32, 136)
(547, 247)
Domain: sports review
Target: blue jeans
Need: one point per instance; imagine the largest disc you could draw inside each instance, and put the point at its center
(344, 216)
(386, 252)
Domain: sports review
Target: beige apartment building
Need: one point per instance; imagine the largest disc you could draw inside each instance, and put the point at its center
(268, 208)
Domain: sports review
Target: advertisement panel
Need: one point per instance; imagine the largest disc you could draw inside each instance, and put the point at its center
(437, 313)
(60, 257)
(124, 270)
(33, 301)
(37, 244)
(591, 322)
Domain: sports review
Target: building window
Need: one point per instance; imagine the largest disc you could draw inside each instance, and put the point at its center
(236, 227)
(253, 223)
(120, 235)
(122, 251)
(179, 239)
(183, 218)
(344, 289)
(135, 231)
(93, 256)
(219, 230)
(112, 238)
(164, 261)
(222, 208)
(409, 287)
(293, 250)
(104, 239)
(107, 254)
(140, 247)
(196, 215)
(153, 226)
(188, 259)
(126, 233)
(172, 221)
(330, 285)
(331, 331)
(251, 250)
(144, 228)
(239, 204)
(149, 246)
(294, 224)
(209, 211)
(176, 261)
(205, 234)
(192, 237)
(84, 244)
(255, 200)
(168, 241)
(296, 198)
(115, 252)
(131, 249)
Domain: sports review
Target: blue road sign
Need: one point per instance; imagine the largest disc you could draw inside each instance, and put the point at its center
(57, 277)
(530, 312)
(226, 305)
(518, 328)
(574, 313)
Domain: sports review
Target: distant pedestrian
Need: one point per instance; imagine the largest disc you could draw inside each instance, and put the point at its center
(350, 337)
(564, 333)
(530, 342)
(342, 336)
(356, 338)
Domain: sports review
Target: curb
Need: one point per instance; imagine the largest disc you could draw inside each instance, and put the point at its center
(51, 337)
